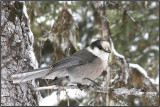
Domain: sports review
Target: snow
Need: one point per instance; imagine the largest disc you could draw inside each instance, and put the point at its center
(30, 34)
(80, 45)
(133, 48)
(125, 91)
(151, 54)
(57, 11)
(48, 59)
(139, 68)
(136, 101)
(116, 77)
(121, 56)
(98, 35)
(146, 36)
(93, 39)
(137, 39)
(26, 15)
(100, 3)
(76, 93)
(157, 80)
(153, 5)
(30, 50)
(25, 10)
(149, 61)
(33, 62)
(112, 26)
(143, 72)
(79, 10)
(89, 25)
(70, 11)
(89, 13)
(40, 19)
(43, 65)
(84, 37)
(92, 18)
(49, 100)
(68, 2)
(50, 22)
(152, 17)
(115, 52)
(153, 47)
(52, 7)
(60, 9)
(52, 100)
(126, 76)
(77, 17)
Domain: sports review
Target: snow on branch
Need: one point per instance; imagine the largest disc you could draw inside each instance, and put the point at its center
(133, 91)
(128, 70)
(121, 61)
(143, 72)
(117, 92)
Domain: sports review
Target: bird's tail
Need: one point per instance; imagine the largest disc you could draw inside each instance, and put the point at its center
(29, 75)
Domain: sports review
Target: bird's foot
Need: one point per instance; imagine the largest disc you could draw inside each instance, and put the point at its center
(57, 80)
(95, 84)
(81, 87)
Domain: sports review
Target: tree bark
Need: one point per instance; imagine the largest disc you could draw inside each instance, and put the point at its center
(16, 55)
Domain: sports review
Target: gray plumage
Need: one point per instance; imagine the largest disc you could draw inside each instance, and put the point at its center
(80, 65)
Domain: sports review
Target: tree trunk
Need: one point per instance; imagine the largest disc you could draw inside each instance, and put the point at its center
(16, 55)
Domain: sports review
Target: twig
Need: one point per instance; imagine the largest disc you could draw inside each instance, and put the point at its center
(55, 87)
(67, 96)
(126, 12)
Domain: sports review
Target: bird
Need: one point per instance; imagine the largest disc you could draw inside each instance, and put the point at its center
(82, 67)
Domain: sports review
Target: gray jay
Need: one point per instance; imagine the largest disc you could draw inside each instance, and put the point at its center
(81, 67)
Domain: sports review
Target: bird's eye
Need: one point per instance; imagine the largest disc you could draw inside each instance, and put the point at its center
(108, 51)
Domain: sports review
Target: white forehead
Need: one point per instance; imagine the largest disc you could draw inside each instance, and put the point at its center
(105, 44)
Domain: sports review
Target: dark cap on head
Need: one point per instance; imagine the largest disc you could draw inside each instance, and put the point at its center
(98, 44)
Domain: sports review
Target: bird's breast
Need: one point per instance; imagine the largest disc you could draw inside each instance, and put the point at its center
(90, 70)
(96, 69)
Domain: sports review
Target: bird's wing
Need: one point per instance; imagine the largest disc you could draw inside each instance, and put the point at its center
(67, 62)
(79, 58)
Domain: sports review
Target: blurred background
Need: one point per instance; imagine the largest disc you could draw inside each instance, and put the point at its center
(62, 28)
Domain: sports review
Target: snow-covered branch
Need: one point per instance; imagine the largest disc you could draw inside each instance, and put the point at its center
(130, 71)
(117, 92)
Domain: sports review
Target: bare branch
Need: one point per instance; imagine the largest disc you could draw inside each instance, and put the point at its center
(101, 11)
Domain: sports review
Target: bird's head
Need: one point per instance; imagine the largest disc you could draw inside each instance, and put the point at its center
(101, 45)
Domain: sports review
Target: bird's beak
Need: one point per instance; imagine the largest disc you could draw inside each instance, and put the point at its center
(108, 51)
